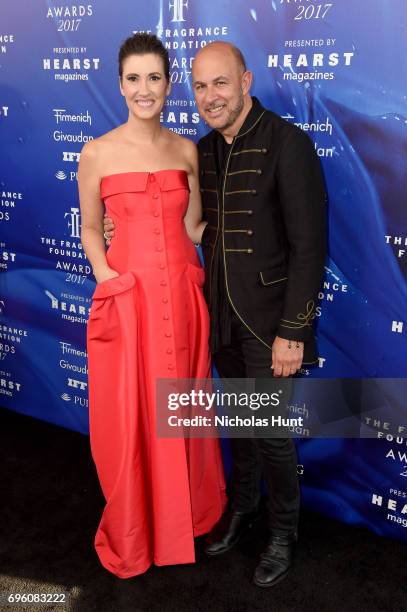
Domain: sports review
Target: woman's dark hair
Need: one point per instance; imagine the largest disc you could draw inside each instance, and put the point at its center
(140, 44)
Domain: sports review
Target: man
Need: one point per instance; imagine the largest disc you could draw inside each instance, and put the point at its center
(264, 248)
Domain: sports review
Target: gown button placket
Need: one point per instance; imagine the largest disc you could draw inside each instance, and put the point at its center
(164, 281)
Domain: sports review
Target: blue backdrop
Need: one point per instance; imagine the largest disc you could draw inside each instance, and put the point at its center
(335, 69)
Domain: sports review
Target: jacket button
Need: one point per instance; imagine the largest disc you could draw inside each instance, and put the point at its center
(250, 232)
(254, 192)
(264, 151)
(249, 251)
(201, 189)
(249, 212)
(259, 171)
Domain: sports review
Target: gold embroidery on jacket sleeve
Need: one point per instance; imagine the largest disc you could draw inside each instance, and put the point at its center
(304, 318)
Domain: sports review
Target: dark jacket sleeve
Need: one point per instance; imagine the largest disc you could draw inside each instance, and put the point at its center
(303, 200)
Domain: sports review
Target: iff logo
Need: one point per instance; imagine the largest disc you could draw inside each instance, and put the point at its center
(178, 7)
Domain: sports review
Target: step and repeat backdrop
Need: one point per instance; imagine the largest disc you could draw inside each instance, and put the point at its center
(337, 70)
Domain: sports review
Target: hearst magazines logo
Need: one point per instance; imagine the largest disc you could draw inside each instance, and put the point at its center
(70, 68)
(394, 505)
(9, 386)
(69, 310)
(6, 257)
(177, 8)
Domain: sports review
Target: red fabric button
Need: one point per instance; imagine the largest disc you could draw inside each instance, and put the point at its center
(163, 283)
(168, 335)
(166, 318)
(165, 300)
(156, 213)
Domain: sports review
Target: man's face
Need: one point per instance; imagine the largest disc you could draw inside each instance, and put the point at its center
(218, 84)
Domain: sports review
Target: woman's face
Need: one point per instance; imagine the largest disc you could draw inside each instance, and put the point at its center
(144, 85)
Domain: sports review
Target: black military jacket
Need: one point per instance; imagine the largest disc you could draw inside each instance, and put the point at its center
(269, 213)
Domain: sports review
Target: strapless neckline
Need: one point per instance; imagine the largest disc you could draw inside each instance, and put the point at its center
(143, 172)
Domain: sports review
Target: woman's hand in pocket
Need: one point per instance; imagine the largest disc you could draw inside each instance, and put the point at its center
(104, 274)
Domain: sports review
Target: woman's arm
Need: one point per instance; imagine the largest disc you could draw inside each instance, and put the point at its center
(92, 213)
(193, 217)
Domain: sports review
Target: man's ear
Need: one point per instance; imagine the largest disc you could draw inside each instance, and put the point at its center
(247, 80)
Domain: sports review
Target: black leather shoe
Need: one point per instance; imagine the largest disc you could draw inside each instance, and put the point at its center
(230, 529)
(275, 562)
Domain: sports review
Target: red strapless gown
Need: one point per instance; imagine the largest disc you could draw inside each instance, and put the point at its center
(150, 322)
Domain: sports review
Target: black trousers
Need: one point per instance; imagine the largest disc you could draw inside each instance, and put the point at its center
(273, 458)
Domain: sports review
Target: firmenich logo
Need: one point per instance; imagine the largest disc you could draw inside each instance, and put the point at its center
(60, 175)
(66, 397)
(61, 116)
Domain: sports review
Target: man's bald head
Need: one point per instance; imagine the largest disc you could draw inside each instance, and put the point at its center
(224, 47)
(221, 85)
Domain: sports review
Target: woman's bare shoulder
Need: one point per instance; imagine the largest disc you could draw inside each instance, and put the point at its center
(180, 141)
(185, 148)
(103, 146)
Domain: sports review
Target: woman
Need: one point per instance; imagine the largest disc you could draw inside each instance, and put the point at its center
(148, 320)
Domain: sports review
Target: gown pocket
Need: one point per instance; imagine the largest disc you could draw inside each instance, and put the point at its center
(196, 274)
(107, 315)
(114, 285)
